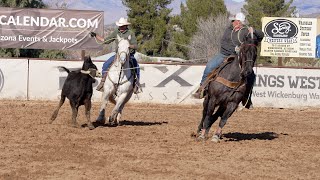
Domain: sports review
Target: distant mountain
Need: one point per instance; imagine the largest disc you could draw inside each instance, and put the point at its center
(313, 15)
(233, 6)
(307, 7)
(114, 9)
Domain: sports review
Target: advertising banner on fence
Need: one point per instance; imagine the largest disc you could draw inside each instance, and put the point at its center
(46, 79)
(169, 84)
(289, 37)
(287, 88)
(160, 83)
(49, 29)
(14, 79)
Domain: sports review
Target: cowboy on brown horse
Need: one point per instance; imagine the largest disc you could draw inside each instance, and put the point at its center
(231, 41)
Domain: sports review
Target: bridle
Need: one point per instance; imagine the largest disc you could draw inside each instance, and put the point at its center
(242, 64)
(122, 52)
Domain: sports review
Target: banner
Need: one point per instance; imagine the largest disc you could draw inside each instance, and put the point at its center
(286, 88)
(14, 79)
(46, 79)
(289, 37)
(168, 84)
(160, 83)
(49, 29)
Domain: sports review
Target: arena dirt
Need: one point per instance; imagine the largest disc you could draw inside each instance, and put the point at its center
(154, 142)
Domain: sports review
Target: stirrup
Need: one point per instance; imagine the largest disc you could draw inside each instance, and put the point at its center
(199, 94)
(137, 89)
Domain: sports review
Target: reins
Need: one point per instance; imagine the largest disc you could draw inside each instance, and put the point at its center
(116, 85)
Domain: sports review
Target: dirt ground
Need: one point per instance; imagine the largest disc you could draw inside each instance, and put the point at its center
(154, 142)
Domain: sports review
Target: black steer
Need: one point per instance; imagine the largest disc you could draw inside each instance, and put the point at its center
(78, 89)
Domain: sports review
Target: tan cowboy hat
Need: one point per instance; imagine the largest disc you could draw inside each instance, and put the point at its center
(122, 22)
(239, 16)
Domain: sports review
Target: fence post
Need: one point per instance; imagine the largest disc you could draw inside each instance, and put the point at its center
(83, 53)
(280, 61)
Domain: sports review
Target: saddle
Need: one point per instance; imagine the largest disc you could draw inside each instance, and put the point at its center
(213, 76)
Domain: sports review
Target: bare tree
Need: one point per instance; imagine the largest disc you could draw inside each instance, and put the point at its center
(206, 41)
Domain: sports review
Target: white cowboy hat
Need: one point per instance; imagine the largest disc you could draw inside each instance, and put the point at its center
(122, 22)
(239, 16)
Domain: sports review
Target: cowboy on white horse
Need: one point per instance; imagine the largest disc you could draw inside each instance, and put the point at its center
(123, 32)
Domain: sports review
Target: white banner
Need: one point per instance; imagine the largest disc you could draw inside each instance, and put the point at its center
(169, 84)
(289, 37)
(161, 83)
(46, 80)
(283, 87)
(13, 79)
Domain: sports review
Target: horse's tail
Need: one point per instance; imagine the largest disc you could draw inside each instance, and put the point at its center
(206, 103)
(64, 69)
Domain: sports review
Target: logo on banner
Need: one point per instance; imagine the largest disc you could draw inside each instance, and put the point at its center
(173, 77)
(1, 80)
(281, 31)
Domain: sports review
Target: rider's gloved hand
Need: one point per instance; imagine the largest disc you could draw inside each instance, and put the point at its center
(131, 46)
(93, 34)
(251, 30)
(237, 49)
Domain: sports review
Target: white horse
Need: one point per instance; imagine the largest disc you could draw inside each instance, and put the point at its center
(118, 87)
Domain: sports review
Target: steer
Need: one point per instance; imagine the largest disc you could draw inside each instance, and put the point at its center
(78, 89)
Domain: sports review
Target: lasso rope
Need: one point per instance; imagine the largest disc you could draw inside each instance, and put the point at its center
(237, 36)
(122, 69)
(102, 42)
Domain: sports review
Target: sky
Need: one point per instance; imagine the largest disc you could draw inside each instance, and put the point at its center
(114, 9)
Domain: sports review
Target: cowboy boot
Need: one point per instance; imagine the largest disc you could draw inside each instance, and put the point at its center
(199, 94)
(137, 87)
(101, 84)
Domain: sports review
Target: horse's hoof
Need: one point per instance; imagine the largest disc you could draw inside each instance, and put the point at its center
(113, 124)
(101, 120)
(201, 138)
(215, 138)
(91, 127)
(99, 123)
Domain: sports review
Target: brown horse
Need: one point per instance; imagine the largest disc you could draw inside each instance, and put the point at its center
(231, 85)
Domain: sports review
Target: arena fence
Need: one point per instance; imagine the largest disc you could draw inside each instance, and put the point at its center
(38, 79)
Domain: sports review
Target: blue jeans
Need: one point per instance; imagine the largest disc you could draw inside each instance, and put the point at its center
(318, 46)
(212, 64)
(107, 64)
